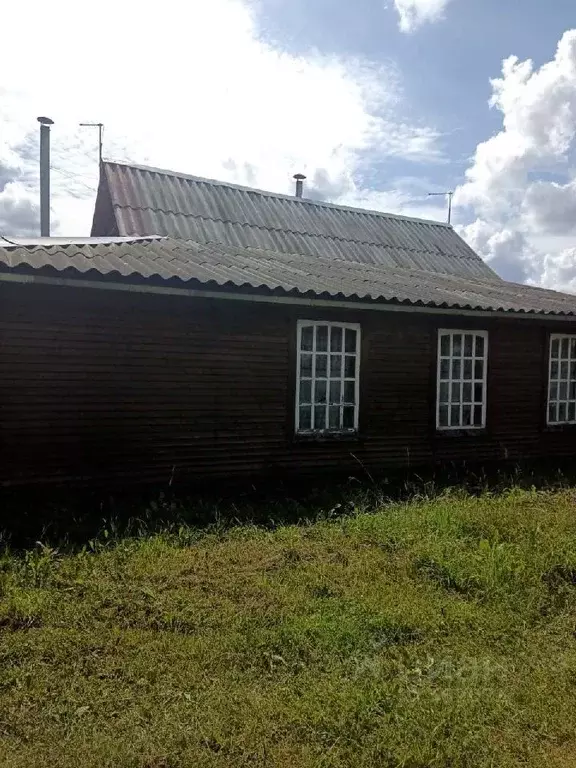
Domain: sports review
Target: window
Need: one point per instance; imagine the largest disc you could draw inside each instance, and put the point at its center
(327, 377)
(562, 380)
(462, 362)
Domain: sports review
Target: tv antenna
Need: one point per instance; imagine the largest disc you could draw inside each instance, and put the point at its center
(100, 127)
(449, 195)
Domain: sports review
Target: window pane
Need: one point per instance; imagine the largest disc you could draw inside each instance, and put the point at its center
(335, 391)
(305, 391)
(467, 393)
(305, 416)
(445, 345)
(573, 370)
(479, 346)
(565, 348)
(466, 415)
(321, 338)
(552, 413)
(564, 370)
(320, 417)
(572, 391)
(349, 392)
(305, 365)
(348, 417)
(468, 345)
(307, 338)
(334, 417)
(443, 416)
(554, 347)
(554, 390)
(573, 347)
(455, 416)
(336, 339)
(445, 369)
(444, 392)
(320, 394)
(478, 388)
(563, 390)
(350, 340)
(335, 365)
(321, 366)
(455, 393)
(456, 369)
(554, 370)
(477, 415)
(467, 370)
(478, 369)
(350, 366)
(456, 345)
(571, 411)
(562, 412)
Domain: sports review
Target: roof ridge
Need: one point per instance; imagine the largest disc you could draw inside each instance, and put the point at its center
(279, 229)
(279, 195)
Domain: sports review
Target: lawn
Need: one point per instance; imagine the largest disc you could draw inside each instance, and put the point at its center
(430, 633)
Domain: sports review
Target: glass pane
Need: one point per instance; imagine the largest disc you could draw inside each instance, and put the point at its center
(350, 366)
(478, 369)
(479, 346)
(445, 369)
(466, 415)
(554, 347)
(571, 411)
(349, 391)
(477, 415)
(320, 394)
(572, 391)
(554, 370)
(306, 391)
(444, 392)
(573, 370)
(468, 345)
(443, 416)
(335, 391)
(563, 391)
(336, 339)
(307, 338)
(573, 347)
(456, 345)
(445, 345)
(456, 369)
(552, 413)
(564, 370)
(350, 340)
(562, 412)
(554, 390)
(565, 348)
(321, 366)
(455, 393)
(321, 338)
(467, 393)
(334, 417)
(305, 365)
(478, 393)
(305, 417)
(335, 365)
(320, 417)
(467, 370)
(348, 418)
(455, 416)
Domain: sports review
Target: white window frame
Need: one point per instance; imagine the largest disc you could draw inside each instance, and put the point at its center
(560, 337)
(331, 324)
(484, 380)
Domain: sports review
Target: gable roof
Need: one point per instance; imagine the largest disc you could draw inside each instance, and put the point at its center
(137, 200)
(186, 264)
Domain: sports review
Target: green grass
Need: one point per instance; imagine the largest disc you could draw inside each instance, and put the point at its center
(430, 633)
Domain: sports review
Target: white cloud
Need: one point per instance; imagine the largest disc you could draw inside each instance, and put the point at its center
(192, 87)
(415, 13)
(523, 219)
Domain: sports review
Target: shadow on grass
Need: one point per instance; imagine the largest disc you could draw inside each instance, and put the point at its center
(73, 517)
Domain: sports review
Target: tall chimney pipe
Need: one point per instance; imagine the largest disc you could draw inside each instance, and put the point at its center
(300, 178)
(45, 123)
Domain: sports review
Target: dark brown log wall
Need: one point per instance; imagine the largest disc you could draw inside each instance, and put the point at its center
(98, 385)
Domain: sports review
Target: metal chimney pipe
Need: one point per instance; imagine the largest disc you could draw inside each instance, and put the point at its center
(300, 178)
(45, 123)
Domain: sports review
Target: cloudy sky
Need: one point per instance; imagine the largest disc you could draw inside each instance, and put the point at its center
(378, 101)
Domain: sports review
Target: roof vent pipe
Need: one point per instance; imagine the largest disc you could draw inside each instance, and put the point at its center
(45, 123)
(299, 184)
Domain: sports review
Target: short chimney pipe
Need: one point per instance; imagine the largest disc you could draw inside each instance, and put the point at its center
(300, 178)
(45, 123)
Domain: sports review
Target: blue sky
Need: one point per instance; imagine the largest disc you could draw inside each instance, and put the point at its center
(377, 101)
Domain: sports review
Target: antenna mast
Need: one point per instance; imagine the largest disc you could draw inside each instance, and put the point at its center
(449, 195)
(100, 127)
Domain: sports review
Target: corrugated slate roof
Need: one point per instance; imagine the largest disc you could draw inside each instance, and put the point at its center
(150, 201)
(185, 262)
